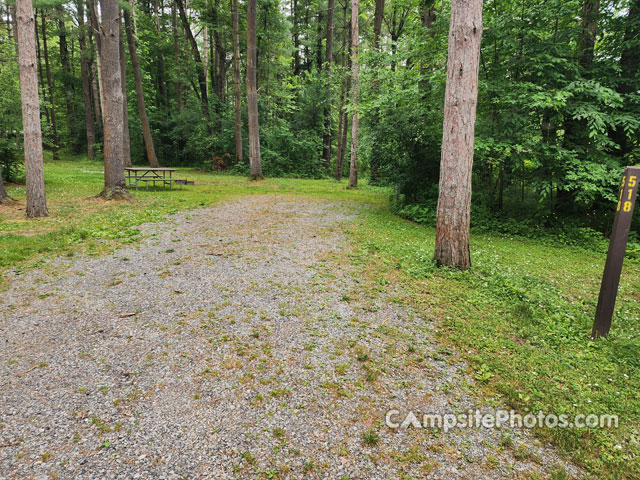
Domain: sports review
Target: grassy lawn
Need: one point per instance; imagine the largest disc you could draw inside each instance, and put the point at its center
(521, 317)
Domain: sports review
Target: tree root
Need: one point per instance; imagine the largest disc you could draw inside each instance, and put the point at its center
(115, 193)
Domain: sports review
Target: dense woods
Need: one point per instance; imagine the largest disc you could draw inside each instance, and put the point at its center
(557, 95)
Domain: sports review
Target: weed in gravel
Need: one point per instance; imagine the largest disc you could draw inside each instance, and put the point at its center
(370, 437)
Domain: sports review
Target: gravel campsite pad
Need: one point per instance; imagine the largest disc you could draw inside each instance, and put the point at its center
(233, 342)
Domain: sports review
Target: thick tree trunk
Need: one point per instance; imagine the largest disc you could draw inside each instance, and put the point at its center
(176, 55)
(461, 96)
(237, 95)
(142, 110)
(112, 110)
(45, 49)
(33, 161)
(255, 164)
(126, 144)
(86, 82)
(326, 139)
(196, 57)
(355, 92)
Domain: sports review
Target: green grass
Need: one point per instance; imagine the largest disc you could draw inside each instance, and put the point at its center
(521, 317)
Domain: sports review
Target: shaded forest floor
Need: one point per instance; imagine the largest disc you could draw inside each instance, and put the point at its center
(286, 326)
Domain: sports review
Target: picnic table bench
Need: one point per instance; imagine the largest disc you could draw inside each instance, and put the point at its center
(164, 176)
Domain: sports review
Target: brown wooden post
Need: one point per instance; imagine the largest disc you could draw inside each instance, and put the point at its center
(615, 255)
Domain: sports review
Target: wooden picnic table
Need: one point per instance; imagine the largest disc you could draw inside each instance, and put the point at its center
(148, 175)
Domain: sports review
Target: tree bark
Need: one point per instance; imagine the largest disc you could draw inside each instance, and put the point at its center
(326, 140)
(33, 161)
(196, 57)
(355, 92)
(39, 59)
(205, 57)
(100, 89)
(255, 164)
(112, 109)
(295, 33)
(461, 96)
(160, 83)
(126, 144)
(237, 98)
(142, 110)
(86, 83)
(45, 49)
(590, 13)
(220, 55)
(378, 17)
(343, 116)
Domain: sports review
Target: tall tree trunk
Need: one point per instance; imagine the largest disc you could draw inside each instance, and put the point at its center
(160, 83)
(427, 17)
(196, 57)
(40, 74)
(319, 41)
(97, 94)
(326, 140)
(295, 33)
(355, 92)
(205, 57)
(54, 129)
(343, 122)
(142, 110)
(255, 164)
(112, 110)
(378, 17)
(220, 57)
(33, 161)
(237, 95)
(126, 144)
(590, 13)
(461, 96)
(93, 16)
(176, 54)
(86, 83)
(64, 61)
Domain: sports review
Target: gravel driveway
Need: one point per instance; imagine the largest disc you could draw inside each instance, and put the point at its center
(233, 342)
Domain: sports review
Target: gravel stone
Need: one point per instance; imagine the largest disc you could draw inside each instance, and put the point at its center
(236, 341)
